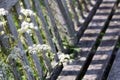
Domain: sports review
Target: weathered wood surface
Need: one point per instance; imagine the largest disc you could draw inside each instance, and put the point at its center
(105, 50)
(115, 70)
(88, 40)
(54, 27)
(66, 16)
(5, 45)
(71, 2)
(7, 4)
(88, 19)
(80, 8)
(38, 38)
(38, 33)
(23, 56)
(45, 27)
(33, 54)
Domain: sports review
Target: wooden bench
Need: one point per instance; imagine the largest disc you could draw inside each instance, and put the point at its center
(97, 40)
(44, 20)
(89, 40)
(105, 52)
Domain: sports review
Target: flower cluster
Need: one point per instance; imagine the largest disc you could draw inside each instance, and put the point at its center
(27, 27)
(3, 12)
(27, 12)
(2, 23)
(63, 57)
(38, 48)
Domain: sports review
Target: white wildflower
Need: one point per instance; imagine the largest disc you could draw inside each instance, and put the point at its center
(29, 31)
(2, 23)
(63, 57)
(21, 4)
(27, 12)
(45, 47)
(30, 47)
(2, 32)
(34, 45)
(35, 28)
(32, 26)
(39, 45)
(27, 27)
(3, 12)
(38, 48)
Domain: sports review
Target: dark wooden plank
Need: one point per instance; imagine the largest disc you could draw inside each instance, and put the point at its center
(88, 40)
(7, 4)
(105, 51)
(115, 70)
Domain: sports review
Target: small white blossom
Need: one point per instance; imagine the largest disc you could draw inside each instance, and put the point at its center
(34, 45)
(3, 12)
(63, 56)
(21, 3)
(30, 47)
(2, 23)
(38, 48)
(32, 26)
(2, 32)
(45, 47)
(27, 27)
(29, 31)
(27, 12)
